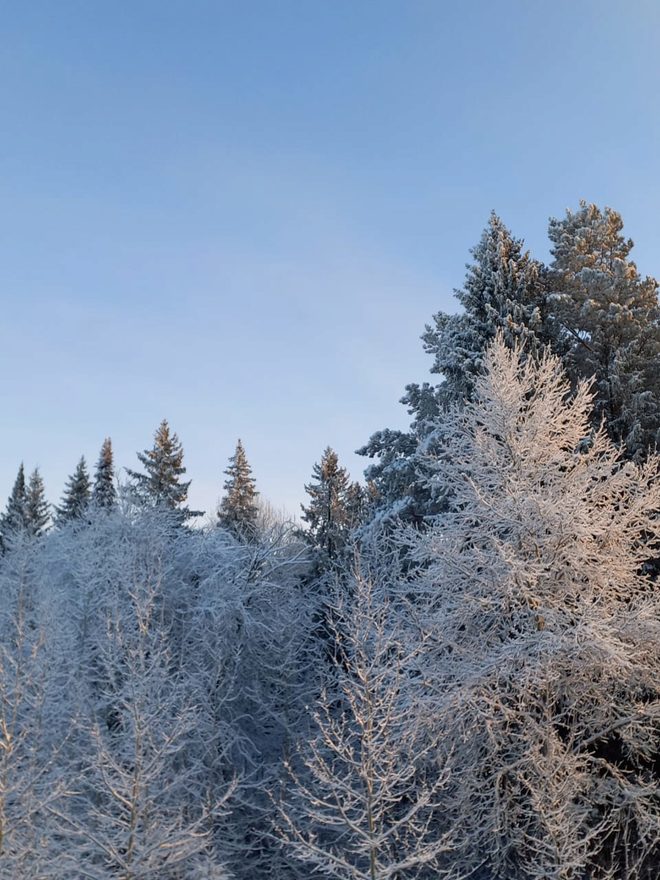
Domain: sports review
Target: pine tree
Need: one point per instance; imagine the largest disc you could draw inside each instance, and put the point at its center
(239, 510)
(104, 494)
(611, 322)
(161, 483)
(77, 495)
(330, 513)
(14, 519)
(37, 509)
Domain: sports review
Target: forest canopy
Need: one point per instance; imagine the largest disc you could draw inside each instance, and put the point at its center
(449, 670)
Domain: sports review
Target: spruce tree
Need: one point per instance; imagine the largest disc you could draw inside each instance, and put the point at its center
(504, 290)
(14, 519)
(357, 500)
(238, 509)
(611, 322)
(330, 514)
(104, 494)
(161, 483)
(37, 509)
(77, 495)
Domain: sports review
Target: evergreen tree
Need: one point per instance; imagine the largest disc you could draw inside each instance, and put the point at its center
(239, 510)
(331, 513)
(37, 509)
(504, 290)
(104, 493)
(358, 499)
(14, 519)
(161, 483)
(77, 495)
(611, 322)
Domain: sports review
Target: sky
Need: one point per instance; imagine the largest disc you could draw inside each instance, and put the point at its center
(239, 216)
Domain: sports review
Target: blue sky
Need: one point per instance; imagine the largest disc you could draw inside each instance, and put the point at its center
(240, 215)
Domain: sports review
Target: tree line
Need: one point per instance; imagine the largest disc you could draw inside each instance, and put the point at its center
(450, 671)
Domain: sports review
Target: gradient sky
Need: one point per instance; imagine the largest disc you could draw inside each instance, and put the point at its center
(239, 215)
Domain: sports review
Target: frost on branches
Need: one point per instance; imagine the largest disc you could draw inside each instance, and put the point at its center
(151, 679)
(362, 804)
(546, 631)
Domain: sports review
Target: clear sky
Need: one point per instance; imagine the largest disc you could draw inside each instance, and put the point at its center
(239, 215)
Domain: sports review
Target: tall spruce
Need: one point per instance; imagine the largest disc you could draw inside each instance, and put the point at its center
(161, 485)
(104, 494)
(77, 495)
(14, 519)
(332, 510)
(611, 322)
(37, 509)
(238, 510)
(504, 290)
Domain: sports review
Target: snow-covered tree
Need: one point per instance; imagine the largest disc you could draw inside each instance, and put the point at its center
(239, 510)
(610, 319)
(332, 510)
(365, 787)
(14, 519)
(161, 484)
(139, 808)
(77, 495)
(504, 290)
(104, 493)
(32, 737)
(37, 509)
(166, 669)
(253, 668)
(544, 623)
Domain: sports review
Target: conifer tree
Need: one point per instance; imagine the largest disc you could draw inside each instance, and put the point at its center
(357, 500)
(239, 510)
(37, 509)
(14, 519)
(161, 483)
(104, 493)
(504, 290)
(330, 514)
(611, 322)
(77, 495)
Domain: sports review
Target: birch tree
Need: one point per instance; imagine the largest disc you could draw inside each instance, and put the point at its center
(32, 738)
(363, 804)
(545, 623)
(140, 810)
